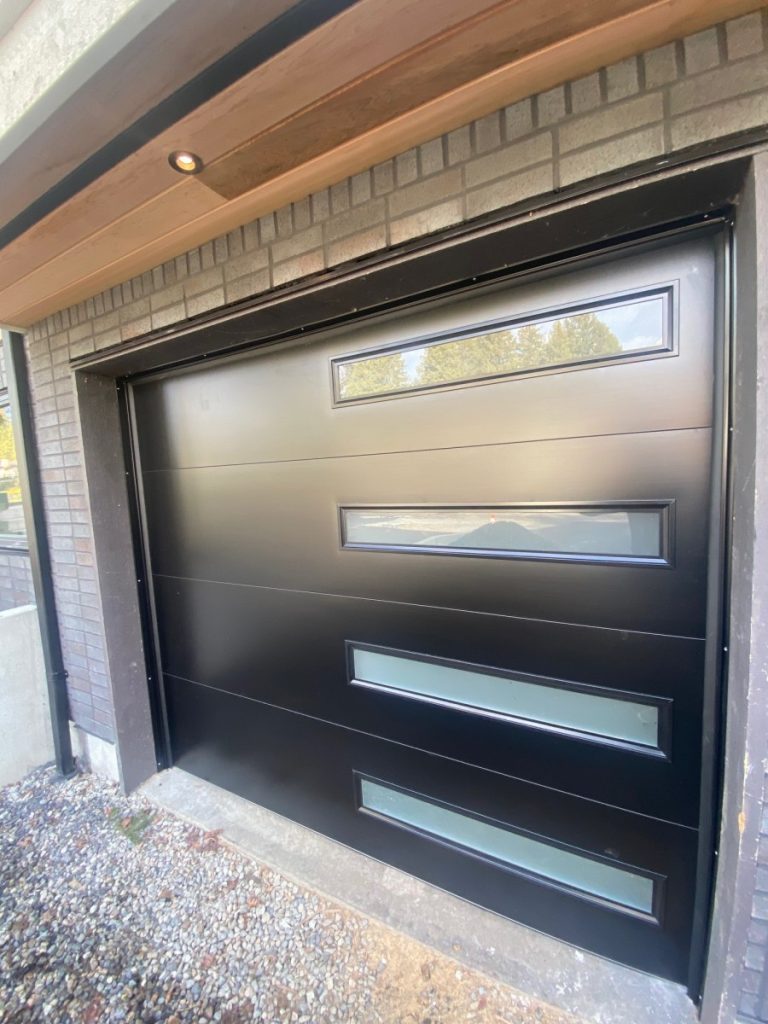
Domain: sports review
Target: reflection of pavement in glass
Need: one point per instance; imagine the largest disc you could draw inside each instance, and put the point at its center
(581, 531)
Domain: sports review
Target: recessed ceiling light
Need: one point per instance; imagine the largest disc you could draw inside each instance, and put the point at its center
(184, 162)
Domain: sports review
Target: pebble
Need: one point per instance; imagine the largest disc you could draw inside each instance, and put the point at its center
(176, 927)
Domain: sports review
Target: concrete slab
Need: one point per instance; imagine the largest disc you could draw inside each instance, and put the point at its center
(542, 967)
(25, 724)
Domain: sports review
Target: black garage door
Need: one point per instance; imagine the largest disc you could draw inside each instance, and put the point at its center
(436, 586)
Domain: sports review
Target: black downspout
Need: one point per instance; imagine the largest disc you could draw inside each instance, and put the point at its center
(39, 552)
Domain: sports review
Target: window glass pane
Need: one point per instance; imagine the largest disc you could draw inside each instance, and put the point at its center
(603, 332)
(565, 532)
(539, 703)
(11, 513)
(576, 870)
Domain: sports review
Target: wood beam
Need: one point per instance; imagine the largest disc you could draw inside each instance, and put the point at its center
(142, 214)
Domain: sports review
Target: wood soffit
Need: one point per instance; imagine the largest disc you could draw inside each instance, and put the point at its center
(374, 80)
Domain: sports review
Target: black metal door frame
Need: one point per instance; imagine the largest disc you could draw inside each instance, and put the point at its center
(303, 313)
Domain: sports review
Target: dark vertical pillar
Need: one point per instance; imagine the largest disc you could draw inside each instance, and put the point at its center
(39, 553)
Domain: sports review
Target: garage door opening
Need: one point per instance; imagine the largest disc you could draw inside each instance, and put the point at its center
(438, 586)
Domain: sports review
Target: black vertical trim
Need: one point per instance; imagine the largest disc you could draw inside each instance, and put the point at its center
(143, 568)
(39, 551)
(714, 704)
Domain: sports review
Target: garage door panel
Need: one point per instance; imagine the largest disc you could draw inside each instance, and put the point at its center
(311, 772)
(437, 584)
(244, 641)
(278, 526)
(229, 413)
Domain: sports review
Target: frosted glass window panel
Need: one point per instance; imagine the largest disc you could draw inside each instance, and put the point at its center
(596, 333)
(537, 703)
(626, 533)
(576, 870)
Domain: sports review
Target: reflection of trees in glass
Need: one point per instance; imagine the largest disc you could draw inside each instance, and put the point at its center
(373, 376)
(510, 350)
(514, 349)
(7, 444)
(579, 337)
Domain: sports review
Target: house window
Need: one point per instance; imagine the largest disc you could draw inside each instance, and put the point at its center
(13, 533)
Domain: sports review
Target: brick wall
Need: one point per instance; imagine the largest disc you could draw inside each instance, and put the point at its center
(709, 85)
(753, 1000)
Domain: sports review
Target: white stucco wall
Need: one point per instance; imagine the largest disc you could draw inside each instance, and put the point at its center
(48, 40)
(25, 727)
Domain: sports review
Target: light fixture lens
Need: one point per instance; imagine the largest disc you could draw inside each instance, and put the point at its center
(185, 163)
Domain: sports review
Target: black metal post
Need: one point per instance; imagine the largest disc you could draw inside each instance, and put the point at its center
(39, 552)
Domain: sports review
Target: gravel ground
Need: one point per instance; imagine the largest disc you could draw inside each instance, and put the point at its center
(110, 912)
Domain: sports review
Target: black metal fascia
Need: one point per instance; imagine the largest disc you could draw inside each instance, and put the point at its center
(277, 35)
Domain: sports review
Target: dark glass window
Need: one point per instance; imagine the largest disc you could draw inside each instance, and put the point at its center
(592, 334)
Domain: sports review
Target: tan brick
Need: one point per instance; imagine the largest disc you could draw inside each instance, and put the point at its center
(340, 198)
(321, 206)
(304, 241)
(81, 331)
(134, 310)
(712, 122)
(166, 297)
(136, 328)
(622, 79)
(406, 167)
(488, 132)
(744, 36)
(353, 246)
(535, 181)
(383, 177)
(299, 266)
(701, 51)
(197, 304)
(360, 187)
(620, 117)
(425, 193)
(518, 119)
(585, 94)
(357, 219)
(169, 315)
(426, 221)
(106, 322)
(533, 150)
(284, 221)
(302, 216)
(459, 145)
(621, 152)
(431, 156)
(107, 339)
(247, 264)
(550, 105)
(721, 84)
(660, 66)
(80, 348)
(203, 282)
(250, 284)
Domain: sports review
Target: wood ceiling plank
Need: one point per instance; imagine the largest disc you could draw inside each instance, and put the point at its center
(502, 36)
(186, 204)
(27, 300)
(196, 32)
(342, 50)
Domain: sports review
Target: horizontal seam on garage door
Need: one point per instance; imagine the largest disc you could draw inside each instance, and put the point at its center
(430, 753)
(416, 604)
(419, 451)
